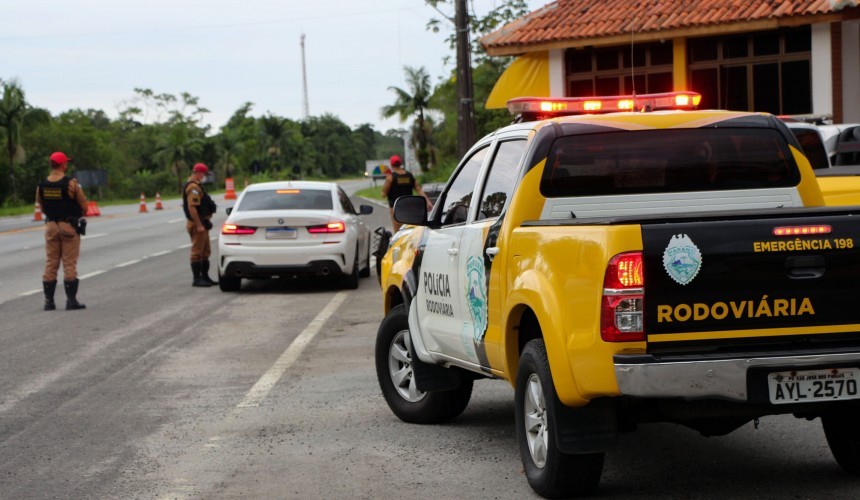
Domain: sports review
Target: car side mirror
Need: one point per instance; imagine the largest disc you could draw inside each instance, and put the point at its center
(365, 210)
(229, 209)
(411, 210)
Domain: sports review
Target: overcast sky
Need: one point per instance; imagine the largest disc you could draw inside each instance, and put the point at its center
(93, 53)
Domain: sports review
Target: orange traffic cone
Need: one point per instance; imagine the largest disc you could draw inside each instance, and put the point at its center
(142, 204)
(93, 209)
(231, 189)
(158, 201)
(37, 215)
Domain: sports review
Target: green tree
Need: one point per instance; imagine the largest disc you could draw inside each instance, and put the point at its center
(15, 115)
(414, 102)
(178, 148)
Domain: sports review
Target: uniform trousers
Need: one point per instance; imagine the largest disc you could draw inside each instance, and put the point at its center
(201, 247)
(62, 244)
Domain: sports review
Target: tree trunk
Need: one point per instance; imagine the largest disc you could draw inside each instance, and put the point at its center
(10, 148)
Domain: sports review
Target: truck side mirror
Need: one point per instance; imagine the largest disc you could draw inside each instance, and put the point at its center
(411, 210)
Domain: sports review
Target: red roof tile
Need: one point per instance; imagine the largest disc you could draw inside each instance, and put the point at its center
(571, 20)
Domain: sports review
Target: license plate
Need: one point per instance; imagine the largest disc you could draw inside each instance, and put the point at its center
(813, 385)
(280, 233)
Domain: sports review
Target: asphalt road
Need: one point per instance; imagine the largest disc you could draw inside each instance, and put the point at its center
(161, 390)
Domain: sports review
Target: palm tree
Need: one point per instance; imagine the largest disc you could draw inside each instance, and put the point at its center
(414, 102)
(177, 149)
(14, 115)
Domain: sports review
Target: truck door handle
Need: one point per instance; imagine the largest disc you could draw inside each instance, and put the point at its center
(492, 252)
(805, 267)
(453, 251)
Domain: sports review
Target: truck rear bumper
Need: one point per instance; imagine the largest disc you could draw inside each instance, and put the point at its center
(643, 375)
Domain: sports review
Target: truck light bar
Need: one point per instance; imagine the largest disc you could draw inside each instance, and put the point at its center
(532, 108)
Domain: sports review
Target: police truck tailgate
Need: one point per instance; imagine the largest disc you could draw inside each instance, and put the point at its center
(779, 278)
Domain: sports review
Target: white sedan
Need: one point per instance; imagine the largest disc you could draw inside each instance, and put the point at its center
(293, 228)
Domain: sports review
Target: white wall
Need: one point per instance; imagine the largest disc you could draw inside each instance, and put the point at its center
(822, 70)
(556, 73)
(851, 71)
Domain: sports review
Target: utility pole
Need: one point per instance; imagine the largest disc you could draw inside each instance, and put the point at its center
(465, 99)
(305, 107)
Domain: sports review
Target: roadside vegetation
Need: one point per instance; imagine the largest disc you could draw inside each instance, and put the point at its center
(155, 139)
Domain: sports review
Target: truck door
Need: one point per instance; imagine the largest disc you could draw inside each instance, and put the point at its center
(478, 248)
(439, 298)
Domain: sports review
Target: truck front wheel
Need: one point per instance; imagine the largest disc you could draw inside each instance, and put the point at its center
(551, 473)
(397, 380)
(843, 435)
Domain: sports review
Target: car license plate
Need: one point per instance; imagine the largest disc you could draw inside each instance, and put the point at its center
(280, 233)
(813, 385)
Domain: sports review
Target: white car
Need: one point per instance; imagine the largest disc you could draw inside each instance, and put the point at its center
(293, 228)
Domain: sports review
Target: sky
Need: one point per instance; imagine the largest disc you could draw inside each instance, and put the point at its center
(69, 54)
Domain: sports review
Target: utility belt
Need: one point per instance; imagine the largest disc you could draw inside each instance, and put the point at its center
(79, 223)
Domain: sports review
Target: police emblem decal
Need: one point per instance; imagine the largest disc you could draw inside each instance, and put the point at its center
(682, 259)
(476, 295)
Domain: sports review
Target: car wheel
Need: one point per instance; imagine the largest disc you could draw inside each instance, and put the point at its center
(229, 284)
(350, 281)
(397, 381)
(843, 436)
(550, 472)
(365, 271)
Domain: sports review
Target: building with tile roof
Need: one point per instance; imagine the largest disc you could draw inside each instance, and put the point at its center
(788, 57)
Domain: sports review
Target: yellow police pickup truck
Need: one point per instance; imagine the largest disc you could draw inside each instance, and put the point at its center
(620, 267)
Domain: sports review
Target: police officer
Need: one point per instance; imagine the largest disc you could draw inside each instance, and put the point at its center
(400, 183)
(63, 202)
(198, 207)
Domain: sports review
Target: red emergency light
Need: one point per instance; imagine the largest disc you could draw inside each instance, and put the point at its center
(532, 108)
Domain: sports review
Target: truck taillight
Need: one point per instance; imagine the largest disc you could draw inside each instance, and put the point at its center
(623, 299)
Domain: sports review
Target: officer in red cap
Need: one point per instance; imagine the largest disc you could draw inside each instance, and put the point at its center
(63, 203)
(198, 207)
(400, 183)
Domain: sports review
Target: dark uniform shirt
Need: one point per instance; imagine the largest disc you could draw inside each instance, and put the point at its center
(401, 185)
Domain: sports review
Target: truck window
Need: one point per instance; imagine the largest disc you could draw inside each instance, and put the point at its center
(665, 161)
(500, 180)
(813, 147)
(458, 198)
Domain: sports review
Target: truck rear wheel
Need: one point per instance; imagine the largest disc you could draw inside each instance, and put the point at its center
(397, 380)
(843, 436)
(551, 473)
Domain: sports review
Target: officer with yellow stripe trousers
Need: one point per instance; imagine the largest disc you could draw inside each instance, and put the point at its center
(63, 203)
(198, 207)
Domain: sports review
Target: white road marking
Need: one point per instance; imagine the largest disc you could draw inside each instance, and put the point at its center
(124, 264)
(187, 245)
(257, 393)
(159, 254)
(90, 275)
(31, 292)
(174, 221)
(93, 236)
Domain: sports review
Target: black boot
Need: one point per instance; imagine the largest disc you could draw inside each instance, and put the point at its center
(204, 272)
(196, 268)
(71, 295)
(49, 287)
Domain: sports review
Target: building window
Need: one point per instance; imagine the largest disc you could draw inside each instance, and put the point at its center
(767, 71)
(646, 69)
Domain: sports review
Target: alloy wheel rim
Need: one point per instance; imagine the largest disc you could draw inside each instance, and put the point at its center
(534, 410)
(400, 368)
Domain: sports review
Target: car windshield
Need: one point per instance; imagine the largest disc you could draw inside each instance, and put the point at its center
(286, 199)
(659, 161)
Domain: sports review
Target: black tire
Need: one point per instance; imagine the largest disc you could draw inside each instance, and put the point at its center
(350, 281)
(394, 362)
(229, 284)
(365, 271)
(551, 473)
(843, 436)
